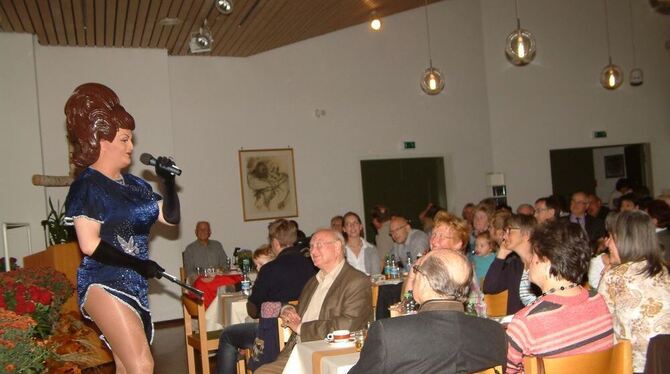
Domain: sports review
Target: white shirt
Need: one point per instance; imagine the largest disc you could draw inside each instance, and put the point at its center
(325, 281)
(358, 262)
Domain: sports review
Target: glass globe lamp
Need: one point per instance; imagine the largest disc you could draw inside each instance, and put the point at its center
(611, 77)
(520, 47)
(432, 82)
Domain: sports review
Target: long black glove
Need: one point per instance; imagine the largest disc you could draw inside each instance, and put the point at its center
(171, 207)
(108, 255)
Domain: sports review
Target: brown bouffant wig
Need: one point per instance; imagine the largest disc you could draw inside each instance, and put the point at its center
(93, 113)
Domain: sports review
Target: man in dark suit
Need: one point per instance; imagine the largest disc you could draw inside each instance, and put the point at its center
(441, 338)
(594, 227)
(338, 297)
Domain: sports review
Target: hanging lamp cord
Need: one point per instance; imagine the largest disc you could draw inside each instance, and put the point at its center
(607, 28)
(430, 55)
(516, 13)
(632, 32)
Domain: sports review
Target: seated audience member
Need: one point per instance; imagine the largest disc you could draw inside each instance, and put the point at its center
(381, 220)
(426, 217)
(299, 233)
(623, 186)
(628, 202)
(637, 286)
(594, 227)
(360, 254)
(659, 211)
(497, 226)
(262, 256)
(337, 297)
(440, 338)
(601, 261)
(509, 270)
(596, 208)
(468, 213)
(480, 223)
(525, 209)
(203, 252)
(451, 234)
(546, 209)
(281, 279)
(484, 255)
(567, 319)
(406, 239)
(337, 223)
(504, 207)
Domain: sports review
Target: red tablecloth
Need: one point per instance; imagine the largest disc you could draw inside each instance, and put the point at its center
(209, 288)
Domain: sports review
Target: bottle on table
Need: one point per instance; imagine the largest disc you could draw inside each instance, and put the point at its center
(395, 271)
(408, 264)
(246, 285)
(387, 267)
(409, 304)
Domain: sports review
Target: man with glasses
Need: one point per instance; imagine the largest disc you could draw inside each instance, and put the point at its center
(280, 280)
(440, 338)
(347, 307)
(592, 226)
(406, 239)
(546, 209)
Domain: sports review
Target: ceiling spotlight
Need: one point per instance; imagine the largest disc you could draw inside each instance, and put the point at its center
(202, 41)
(168, 21)
(224, 6)
(375, 21)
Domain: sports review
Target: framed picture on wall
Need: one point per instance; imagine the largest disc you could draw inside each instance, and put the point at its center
(615, 166)
(267, 179)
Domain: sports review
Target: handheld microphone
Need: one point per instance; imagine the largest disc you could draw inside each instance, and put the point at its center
(148, 159)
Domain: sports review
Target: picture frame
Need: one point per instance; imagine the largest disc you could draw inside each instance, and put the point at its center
(615, 166)
(267, 182)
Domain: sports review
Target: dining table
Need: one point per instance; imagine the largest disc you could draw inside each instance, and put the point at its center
(390, 291)
(322, 357)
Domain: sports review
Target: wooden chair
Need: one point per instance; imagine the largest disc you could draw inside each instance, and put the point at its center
(195, 340)
(616, 360)
(375, 297)
(283, 333)
(494, 370)
(496, 304)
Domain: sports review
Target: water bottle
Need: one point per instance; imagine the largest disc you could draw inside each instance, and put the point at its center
(246, 285)
(410, 303)
(387, 267)
(246, 266)
(408, 266)
(395, 272)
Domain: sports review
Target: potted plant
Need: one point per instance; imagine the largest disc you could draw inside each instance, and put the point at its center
(58, 232)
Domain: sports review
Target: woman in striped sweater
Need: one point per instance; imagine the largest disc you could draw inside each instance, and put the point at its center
(567, 319)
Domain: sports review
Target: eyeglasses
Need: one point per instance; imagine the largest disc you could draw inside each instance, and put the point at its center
(579, 202)
(538, 210)
(416, 269)
(391, 232)
(319, 245)
(441, 237)
(509, 229)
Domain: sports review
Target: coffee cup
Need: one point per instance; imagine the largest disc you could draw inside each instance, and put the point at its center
(339, 336)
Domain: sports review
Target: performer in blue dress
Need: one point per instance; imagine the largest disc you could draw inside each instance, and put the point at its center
(112, 213)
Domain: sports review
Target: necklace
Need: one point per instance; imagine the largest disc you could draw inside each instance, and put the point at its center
(120, 181)
(562, 288)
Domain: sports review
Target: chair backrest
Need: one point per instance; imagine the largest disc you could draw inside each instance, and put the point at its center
(494, 370)
(658, 359)
(283, 333)
(496, 304)
(616, 360)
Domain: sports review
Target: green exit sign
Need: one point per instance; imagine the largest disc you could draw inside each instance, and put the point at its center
(409, 145)
(600, 134)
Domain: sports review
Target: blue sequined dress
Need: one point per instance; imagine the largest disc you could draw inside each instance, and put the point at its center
(126, 213)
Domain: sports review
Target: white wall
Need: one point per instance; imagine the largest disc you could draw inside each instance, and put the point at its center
(20, 201)
(491, 117)
(557, 101)
(368, 85)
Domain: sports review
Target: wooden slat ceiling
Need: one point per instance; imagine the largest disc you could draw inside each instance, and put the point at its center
(254, 26)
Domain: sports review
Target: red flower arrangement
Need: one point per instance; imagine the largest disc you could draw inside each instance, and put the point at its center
(38, 292)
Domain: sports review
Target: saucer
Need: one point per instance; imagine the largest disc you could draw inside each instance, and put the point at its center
(343, 342)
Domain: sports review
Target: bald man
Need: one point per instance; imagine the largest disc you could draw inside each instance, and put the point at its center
(406, 239)
(441, 338)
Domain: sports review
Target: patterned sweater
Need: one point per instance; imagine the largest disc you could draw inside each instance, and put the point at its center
(556, 326)
(639, 304)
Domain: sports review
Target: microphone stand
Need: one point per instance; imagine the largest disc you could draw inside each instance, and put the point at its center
(199, 294)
